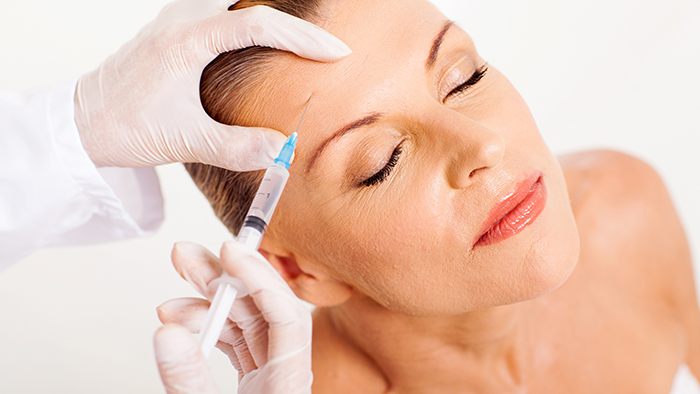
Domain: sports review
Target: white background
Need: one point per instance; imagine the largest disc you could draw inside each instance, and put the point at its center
(619, 74)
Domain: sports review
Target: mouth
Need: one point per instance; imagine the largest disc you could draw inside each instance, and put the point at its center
(515, 212)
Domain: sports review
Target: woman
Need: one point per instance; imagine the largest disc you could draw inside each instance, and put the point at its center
(446, 248)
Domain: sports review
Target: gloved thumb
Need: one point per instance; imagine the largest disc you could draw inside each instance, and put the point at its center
(243, 148)
(181, 364)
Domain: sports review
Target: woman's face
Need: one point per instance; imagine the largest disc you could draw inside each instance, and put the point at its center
(405, 158)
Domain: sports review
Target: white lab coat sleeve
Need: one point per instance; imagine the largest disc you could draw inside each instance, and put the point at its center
(50, 191)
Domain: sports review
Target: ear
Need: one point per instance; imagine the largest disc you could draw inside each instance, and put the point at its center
(308, 283)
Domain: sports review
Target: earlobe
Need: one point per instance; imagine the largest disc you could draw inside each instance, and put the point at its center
(311, 286)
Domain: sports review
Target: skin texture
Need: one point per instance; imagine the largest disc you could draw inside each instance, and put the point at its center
(595, 295)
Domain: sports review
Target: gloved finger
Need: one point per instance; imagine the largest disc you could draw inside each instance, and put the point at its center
(265, 26)
(251, 268)
(243, 148)
(181, 364)
(191, 314)
(289, 321)
(246, 331)
(197, 265)
(227, 349)
(290, 324)
(187, 312)
(251, 322)
(234, 336)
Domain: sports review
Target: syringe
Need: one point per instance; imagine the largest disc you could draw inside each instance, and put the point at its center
(259, 215)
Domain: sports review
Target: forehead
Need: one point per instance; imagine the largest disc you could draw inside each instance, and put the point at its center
(390, 39)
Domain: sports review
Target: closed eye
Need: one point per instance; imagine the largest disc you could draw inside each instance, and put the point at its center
(473, 80)
(384, 173)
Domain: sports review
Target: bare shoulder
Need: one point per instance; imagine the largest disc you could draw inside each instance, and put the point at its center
(338, 366)
(631, 233)
(623, 209)
(622, 201)
(614, 180)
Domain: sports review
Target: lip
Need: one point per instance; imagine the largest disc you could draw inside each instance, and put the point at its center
(515, 212)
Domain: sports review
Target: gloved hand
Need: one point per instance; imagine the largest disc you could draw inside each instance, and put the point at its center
(141, 107)
(268, 336)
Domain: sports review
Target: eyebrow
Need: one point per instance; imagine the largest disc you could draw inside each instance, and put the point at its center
(375, 117)
(432, 58)
(366, 121)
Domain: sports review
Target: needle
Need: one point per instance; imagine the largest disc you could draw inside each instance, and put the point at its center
(304, 113)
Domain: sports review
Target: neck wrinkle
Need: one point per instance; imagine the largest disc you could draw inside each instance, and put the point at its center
(485, 349)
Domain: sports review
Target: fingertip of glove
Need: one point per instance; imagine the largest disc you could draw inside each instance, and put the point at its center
(182, 248)
(287, 32)
(272, 142)
(189, 313)
(189, 249)
(315, 43)
(164, 309)
(325, 47)
(232, 253)
(249, 148)
(170, 338)
(230, 250)
(185, 253)
(333, 49)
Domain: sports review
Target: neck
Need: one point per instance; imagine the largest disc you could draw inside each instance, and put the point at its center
(484, 350)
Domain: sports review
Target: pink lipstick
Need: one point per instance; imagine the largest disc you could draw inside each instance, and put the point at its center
(515, 212)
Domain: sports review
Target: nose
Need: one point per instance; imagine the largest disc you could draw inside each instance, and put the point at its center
(470, 148)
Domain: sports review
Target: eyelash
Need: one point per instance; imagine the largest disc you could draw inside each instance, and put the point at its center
(384, 173)
(473, 80)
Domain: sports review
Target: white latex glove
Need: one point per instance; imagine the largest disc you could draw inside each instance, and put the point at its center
(267, 338)
(142, 108)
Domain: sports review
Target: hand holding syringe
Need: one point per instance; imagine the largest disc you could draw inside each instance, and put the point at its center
(250, 236)
(269, 340)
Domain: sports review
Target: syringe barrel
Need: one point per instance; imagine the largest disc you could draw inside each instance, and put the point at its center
(268, 196)
(250, 237)
(251, 234)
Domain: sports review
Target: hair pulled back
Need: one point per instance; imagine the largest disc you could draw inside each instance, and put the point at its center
(225, 89)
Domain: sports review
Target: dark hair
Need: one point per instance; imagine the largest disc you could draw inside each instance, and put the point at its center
(225, 93)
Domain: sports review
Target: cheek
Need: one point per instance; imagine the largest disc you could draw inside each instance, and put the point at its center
(505, 111)
(392, 252)
(516, 123)
(389, 250)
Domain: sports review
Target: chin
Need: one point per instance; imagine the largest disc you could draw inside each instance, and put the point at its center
(553, 250)
(553, 272)
(550, 261)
